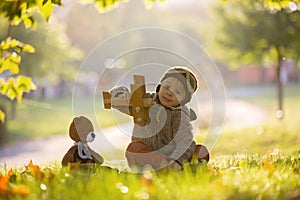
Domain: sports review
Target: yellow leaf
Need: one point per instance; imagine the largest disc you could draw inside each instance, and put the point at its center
(21, 189)
(11, 62)
(46, 9)
(19, 96)
(11, 93)
(270, 168)
(3, 88)
(27, 23)
(25, 84)
(16, 21)
(28, 48)
(14, 68)
(14, 88)
(4, 44)
(14, 57)
(5, 65)
(2, 116)
(14, 43)
(10, 82)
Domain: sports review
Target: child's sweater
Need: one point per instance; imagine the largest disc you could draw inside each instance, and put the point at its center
(169, 131)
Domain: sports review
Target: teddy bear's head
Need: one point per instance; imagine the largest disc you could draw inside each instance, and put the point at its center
(82, 130)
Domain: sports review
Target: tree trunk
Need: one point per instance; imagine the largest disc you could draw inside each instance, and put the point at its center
(279, 113)
(2, 127)
(296, 78)
(13, 109)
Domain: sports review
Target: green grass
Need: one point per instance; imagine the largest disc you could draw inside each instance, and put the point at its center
(232, 177)
(274, 134)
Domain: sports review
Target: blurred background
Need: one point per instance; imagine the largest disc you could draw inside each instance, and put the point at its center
(257, 52)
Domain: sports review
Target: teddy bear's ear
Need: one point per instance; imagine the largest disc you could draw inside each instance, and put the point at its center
(81, 127)
(73, 131)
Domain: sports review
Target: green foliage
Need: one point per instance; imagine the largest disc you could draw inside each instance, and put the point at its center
(16, 12)
(53, 51)
(10, 60)
(270, 5)
(249, 33)
(22, 10)
(278, 4)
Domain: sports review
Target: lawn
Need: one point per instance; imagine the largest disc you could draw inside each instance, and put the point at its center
(258, 162)
(273, 176)
(272, 135)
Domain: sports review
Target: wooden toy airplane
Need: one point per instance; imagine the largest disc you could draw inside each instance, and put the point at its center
(138, 104)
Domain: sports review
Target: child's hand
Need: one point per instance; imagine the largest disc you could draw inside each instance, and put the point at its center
(174, 165)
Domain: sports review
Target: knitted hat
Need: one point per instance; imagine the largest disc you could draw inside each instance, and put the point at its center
(186, 77)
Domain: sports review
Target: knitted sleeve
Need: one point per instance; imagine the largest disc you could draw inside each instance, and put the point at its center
(117, 92)
(183, 137)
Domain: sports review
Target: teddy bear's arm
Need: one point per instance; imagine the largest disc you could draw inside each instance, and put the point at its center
(98, 159)
(69, 156)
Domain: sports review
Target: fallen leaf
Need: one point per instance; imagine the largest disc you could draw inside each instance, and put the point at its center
(21, 189)
(3, 182)
(35, 170)
(270, 168)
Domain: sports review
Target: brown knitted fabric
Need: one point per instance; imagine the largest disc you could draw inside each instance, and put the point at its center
(172, 137)
(138, 154)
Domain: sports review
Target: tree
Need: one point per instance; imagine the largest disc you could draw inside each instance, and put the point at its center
(271, 5)
(10, 48)
(54, 51)
(21, 11)
(251, 33)
(55, 54)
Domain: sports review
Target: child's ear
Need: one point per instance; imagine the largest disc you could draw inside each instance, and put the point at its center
(158, 88)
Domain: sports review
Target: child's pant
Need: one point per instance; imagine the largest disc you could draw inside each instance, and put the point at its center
(138, 154)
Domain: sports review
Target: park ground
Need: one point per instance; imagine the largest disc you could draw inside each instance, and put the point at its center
(51, 148)
(257, 158)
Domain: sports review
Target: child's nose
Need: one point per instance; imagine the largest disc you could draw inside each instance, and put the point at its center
(169, 91)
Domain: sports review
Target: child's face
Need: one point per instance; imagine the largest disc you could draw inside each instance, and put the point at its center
(171, 92)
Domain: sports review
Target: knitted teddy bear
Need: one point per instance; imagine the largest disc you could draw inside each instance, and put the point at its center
(81, 131)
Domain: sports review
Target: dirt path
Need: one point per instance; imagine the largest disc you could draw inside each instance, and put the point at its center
(53, 148)
(19, 153)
